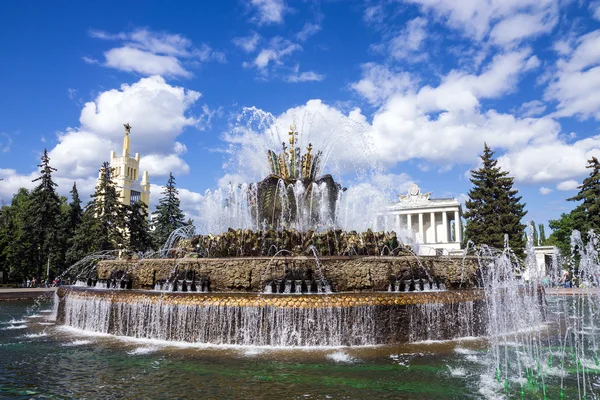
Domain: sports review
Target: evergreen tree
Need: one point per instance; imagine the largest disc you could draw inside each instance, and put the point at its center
(72, 223)
(44, 218)
(494, 209)
(561, 233)
(168, 215)
(586, 216)
(138, 234)
(75, 210)
(15, 242)
(103, 222)
(543, 239)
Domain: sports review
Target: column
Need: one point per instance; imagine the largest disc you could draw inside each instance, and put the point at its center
(445, 224)
(457, 232)
(421, 227)
(409, 222)
(432, 219)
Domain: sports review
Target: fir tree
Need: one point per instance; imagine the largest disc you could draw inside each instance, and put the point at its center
(168, 215)
(103, 221)
(44, 222)
(494, 209)
(138, 234)
(75, 210)
(586, 216)
(108, 211)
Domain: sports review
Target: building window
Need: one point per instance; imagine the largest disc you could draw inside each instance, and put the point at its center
(135, 197)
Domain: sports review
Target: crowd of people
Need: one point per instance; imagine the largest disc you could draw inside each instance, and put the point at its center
(34, 283)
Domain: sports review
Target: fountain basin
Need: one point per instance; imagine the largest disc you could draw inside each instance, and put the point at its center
(250, 274)
(251, 319)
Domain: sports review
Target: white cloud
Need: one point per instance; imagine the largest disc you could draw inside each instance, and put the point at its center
(162, 165)
(407, 44)
(545, 191)
(308, 76)
(278, 49)
(153, 53)
(532, 63)
(379, 82)
(268, 11)
(146, 63)
(157, 112)
(576, 81)
(247, 43)
(5, 142)
(374, 14)
(567, 185)
(595, 9)
(155, 109)
(532, 108)
(446, 124)
(308, 30)
(504, 22)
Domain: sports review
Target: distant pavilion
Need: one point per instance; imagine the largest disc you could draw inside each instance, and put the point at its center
(434, 222)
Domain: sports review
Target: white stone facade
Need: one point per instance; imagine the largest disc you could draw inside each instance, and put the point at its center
(435, 223)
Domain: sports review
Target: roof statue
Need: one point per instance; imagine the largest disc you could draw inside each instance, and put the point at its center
(127, 128)
(414, 195)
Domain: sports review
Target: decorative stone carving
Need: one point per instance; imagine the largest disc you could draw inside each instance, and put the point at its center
(414, 196)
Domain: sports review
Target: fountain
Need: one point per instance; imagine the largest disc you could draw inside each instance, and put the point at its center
(290, 279)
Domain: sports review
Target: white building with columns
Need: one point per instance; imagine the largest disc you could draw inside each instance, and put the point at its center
(434, 223)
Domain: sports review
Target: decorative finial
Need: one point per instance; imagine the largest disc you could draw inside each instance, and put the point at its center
(127, 128)
(293, 135)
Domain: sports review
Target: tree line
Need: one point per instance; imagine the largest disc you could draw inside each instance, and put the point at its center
(39, 228)
(495, 212)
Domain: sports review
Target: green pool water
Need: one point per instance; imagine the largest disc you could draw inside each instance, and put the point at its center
(41, 360)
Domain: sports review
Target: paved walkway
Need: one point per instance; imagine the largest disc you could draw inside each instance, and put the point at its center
(25, 293)
(571, 291)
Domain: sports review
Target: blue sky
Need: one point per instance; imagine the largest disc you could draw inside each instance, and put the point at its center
(406, 90)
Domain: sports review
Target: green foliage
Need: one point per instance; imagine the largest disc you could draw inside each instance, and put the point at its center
(138, 234)
(16, 257)
(39, 227)
(43, 223)
(168, 215)
(543, 239)
(585, 216)
(494, 209)
(561, 233)
(103, 223)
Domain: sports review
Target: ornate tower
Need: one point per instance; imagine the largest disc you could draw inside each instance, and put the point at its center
(126, 174)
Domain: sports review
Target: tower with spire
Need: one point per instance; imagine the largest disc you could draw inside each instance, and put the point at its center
(126, 174)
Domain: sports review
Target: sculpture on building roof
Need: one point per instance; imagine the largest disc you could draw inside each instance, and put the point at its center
(414, 195)
(127, 128)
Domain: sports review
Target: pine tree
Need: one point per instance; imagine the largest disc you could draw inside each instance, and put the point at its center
(586, 216)
(44, 219)
(494, 209)
(138, 233)
(168, 215)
